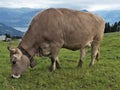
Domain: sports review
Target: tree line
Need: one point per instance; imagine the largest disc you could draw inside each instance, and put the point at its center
(112, 28)
(12, 37)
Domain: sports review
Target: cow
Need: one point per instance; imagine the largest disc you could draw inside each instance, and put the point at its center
(53, 29)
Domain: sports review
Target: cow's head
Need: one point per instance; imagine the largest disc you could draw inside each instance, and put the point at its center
(19, 61)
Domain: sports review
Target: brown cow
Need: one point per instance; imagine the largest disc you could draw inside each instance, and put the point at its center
(53, 29)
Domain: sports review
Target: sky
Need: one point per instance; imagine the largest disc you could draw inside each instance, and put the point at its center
(91, 5)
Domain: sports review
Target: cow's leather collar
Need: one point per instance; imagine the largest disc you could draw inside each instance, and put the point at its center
(27, 54)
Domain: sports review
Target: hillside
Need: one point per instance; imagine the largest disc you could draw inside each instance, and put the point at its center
(21, 17)
(9, 30)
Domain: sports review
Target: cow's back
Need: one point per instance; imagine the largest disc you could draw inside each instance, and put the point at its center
(72, 28)
(81, 28)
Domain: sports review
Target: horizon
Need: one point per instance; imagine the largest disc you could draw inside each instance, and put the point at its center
(89, 5)
(59, 7)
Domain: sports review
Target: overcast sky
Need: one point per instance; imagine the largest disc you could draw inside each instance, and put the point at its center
(90, 5)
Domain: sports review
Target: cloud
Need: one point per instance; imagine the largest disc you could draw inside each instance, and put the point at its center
(74, 4)
(104, 7)
(28, 3)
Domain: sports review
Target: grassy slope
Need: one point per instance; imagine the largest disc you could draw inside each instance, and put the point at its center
(105, 75)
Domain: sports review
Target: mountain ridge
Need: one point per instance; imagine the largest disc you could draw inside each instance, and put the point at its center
(110, 16)
(21, 17)
(4, 29)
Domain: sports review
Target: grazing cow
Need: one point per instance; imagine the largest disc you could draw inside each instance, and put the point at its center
(53, 29)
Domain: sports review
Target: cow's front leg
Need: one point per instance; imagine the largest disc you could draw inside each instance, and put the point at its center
(54, 57)
(54, 63)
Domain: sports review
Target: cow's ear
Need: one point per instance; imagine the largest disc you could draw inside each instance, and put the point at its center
(12, 50)
(32, 63)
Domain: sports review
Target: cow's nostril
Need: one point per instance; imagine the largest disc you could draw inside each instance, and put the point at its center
(12, 77)
(13, 62)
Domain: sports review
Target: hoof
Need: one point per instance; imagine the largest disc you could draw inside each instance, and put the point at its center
(79, 66)
(33, 64)
(58, 67)
(91, 65)
(51, 69)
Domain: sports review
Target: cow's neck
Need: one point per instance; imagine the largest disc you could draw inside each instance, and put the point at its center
(29, 46)
(30, 50)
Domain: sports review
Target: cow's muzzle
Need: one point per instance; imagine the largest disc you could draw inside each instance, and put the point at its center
(15, 77)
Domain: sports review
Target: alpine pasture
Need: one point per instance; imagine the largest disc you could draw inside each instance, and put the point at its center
(104, 75)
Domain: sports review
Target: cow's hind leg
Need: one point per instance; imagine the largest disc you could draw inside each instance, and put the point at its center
(82, 55)
(57, 63)
(98, 55)
(94, 52)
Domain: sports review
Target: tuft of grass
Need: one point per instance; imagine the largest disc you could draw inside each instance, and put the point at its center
(104, 75)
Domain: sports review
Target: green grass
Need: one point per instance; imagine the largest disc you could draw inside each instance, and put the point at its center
(104, 75)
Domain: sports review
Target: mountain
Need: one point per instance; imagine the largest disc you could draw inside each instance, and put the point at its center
(84, 10)
(17, 17)
(21, 17)
(9, 30)
(109, 16)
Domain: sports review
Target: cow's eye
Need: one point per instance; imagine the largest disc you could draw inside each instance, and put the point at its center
(13, 62)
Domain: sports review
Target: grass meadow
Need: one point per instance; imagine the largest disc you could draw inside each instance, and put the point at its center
(104, 75)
